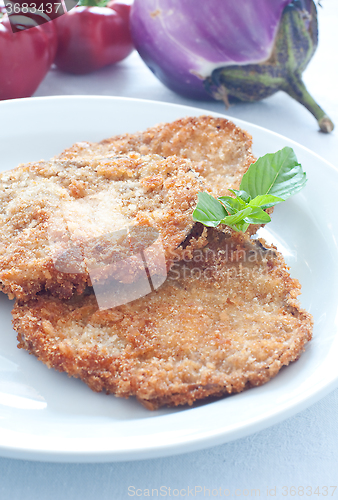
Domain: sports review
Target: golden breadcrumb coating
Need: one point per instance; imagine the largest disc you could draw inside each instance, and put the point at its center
(224, 320)
(63, 222)
(221, 150)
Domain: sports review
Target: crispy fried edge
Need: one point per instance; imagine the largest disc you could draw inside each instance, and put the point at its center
(65, 285)
(95, 369)
(161, 134)
(164, 132)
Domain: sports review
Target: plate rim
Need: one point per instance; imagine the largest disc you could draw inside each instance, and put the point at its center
(236, 120)
(209, 438)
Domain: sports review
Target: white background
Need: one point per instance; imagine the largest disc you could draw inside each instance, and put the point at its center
(301, 451)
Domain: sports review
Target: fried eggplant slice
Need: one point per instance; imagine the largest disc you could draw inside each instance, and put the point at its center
(221, 150)
(225, 320)
(65, 224)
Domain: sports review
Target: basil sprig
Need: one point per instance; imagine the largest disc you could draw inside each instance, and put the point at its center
(270, 180)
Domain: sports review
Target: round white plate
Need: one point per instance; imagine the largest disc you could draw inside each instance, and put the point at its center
(45, 415)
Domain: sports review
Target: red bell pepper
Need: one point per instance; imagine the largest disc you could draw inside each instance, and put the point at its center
(121, 8)
(25, 57)
(91, 37)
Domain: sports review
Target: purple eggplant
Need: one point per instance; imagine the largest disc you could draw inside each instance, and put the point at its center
(229, 50)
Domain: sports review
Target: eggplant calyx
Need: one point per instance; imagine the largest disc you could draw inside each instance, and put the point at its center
(295, 44)
(219, 93)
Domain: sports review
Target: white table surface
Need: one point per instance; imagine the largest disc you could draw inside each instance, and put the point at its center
(302, 451)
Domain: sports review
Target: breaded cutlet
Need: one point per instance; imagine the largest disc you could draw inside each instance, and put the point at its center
(61, 219)
(220, 149)
(226, 320)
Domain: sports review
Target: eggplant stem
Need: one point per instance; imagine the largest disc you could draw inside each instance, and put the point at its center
(295, 88)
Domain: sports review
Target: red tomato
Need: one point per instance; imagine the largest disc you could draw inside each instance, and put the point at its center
(25, 58)
(92, 37)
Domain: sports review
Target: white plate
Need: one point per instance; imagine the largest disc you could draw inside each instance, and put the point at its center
(45, 415)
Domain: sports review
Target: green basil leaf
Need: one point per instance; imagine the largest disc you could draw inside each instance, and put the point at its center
(278, 174)
(209, 211)
(265, 201)
(232, 204)
(243, 195)
(258, 216)
(241, 226)
(269, 181)
(230, 220)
